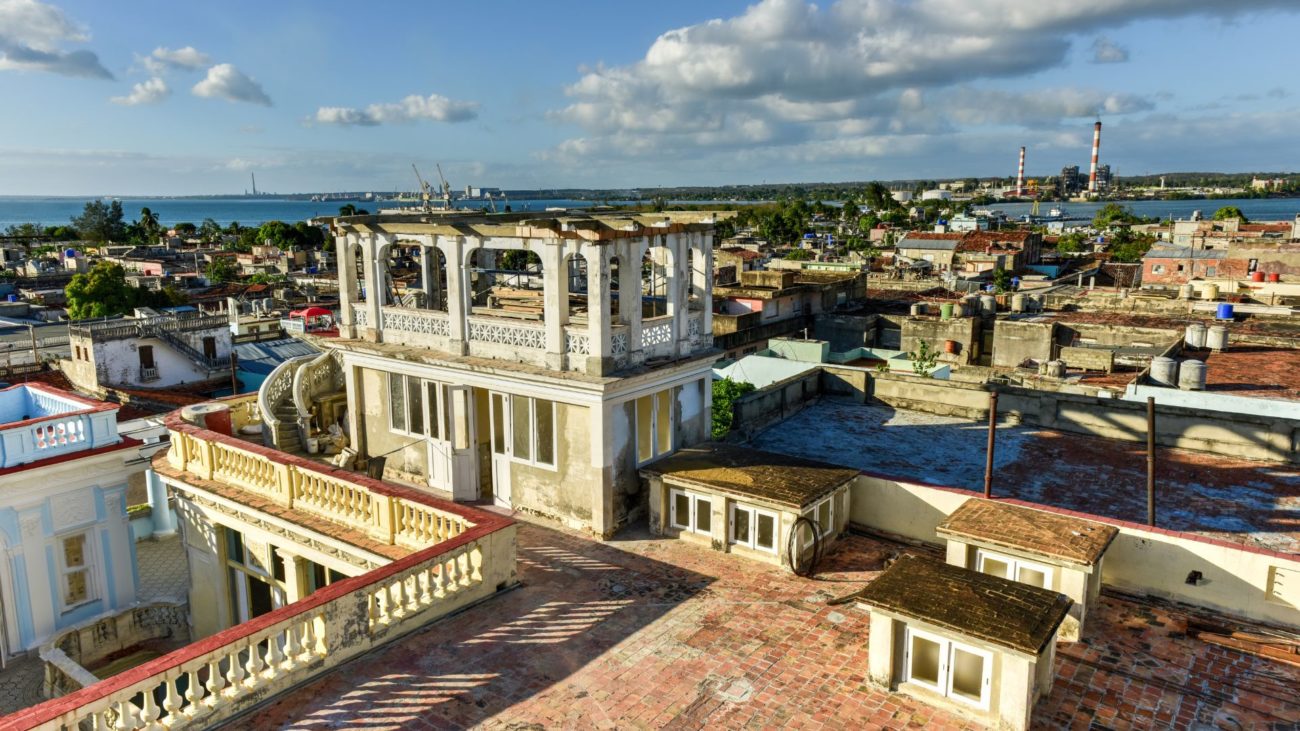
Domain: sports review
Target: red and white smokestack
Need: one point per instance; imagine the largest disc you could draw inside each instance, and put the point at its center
(1096, 150)
(1020, 175)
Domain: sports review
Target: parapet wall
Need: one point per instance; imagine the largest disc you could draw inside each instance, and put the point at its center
(1238, 580)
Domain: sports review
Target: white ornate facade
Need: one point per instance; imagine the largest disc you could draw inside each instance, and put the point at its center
(542, 385)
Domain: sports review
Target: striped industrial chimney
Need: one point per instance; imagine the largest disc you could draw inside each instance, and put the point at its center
(1096, 149)
(1020, 175)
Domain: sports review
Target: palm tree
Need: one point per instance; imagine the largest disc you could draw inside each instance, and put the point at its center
(210, 230)
(149, 223)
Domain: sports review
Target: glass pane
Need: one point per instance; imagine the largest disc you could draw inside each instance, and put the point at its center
(664, 422)
(545, 431)
(766, 534)
(521, 425)
(682, 510)
(498, 424)
(76, 589)
(967, 674)
(1033, 576)
(644, 429)
(74, 551)
(416, 405)
(431, 395)
(234, 545)
(740, 526)
(462, 411)
(996, 567)
(925, 660)
(703, 516)
(397, 401)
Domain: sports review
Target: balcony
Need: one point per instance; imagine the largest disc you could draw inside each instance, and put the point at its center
(439, 558)
(37, 423)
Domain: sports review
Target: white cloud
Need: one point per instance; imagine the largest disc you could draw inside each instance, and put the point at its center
(1104, 50)
(32, 35)
(789, 73)
(435, 107)
(224, 81)
(188, 58)
(146, 92)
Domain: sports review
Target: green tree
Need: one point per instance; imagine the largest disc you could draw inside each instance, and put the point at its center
(101, 222)
(1228, 212)
(799, 255)
(1001, 280)
(1127, 247)
(101, 292)
(1071, 243)
(725, 393)
(61, 233)
(923, 360)
(149, 225)
(185, 229)
(210, 231)
(1113, 214)
(220, 270)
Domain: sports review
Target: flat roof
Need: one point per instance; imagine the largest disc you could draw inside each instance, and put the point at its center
(1009, 614)
(776, 478)
(1034, 531)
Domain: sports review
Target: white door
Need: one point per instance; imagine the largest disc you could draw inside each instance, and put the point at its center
(500, 409)
(437, 421)
(464, 455)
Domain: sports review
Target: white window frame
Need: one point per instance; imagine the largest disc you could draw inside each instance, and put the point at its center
(533, 440)
(811, 514)
(947, 647)
(434, 422)
(692, 521)
(671, 395)
(90, 567)
(752, 542)
(1014, 565)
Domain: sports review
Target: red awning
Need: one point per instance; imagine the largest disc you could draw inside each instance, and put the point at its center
(310, 312)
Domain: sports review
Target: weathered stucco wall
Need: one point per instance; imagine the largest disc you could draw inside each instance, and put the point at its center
(963, 330)
(1016, 341)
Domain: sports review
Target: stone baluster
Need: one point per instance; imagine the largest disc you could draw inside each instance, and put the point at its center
(216, 683)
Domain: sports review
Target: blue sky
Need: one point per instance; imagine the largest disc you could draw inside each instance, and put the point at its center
(187, 98)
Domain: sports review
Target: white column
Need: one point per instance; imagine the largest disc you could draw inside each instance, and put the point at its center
(631, 289)
(295, 587)
(599, 359)
(426, 275)
(347, 273)
(454, 250)
(602, 465)
(555, 300)
(679, 283)
(356, 407)
(374, 279)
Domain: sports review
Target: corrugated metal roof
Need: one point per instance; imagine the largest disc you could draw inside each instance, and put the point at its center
(268, 354)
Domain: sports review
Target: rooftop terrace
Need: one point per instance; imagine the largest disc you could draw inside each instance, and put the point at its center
(1252, 503)
(737, 644)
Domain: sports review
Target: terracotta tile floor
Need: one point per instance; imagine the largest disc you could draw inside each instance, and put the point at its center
(639, 634)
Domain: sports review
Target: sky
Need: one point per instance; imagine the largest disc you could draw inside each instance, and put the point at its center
(184, 98)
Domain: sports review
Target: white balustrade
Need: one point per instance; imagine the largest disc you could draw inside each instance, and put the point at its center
(503, 331)
(332, 498)
(360, 316)
(423, 322)
(576, 341)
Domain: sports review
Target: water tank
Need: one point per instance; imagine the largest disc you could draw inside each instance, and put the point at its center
(70, 253)
(1018, 302)
(1194, 337)
(11, 298)
(1257, 276)
(1056, 369)
(1216, 338)
(951, 347)
(1210, 292)
(1164, 371)
(1191, 375)
(918, 309)
(1274, 276)
(945, 311)
(212, 415)
(1186, 291)
(1224, 311)
(988, 304)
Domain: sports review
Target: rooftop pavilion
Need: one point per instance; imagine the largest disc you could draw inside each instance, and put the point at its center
(594, 293)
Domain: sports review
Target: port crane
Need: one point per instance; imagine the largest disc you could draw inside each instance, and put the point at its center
(427, 193)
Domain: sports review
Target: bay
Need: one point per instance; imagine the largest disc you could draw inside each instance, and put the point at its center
(55, 211)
